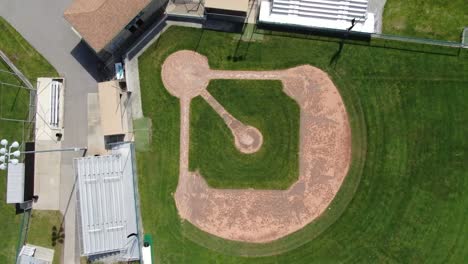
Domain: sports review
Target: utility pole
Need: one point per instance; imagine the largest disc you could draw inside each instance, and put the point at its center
(6, 153)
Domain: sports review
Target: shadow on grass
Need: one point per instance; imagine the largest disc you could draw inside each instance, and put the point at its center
(334, 59)
(57, 235)
(12, 108)
(355, 38)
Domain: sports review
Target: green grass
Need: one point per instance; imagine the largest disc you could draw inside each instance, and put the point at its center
(23, 55)
(249, 34)
(261, 104)
(404, 199)
(440, 19)
(14, 103)
(44, 231)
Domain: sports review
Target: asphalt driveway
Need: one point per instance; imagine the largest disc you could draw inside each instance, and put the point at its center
(41, 22)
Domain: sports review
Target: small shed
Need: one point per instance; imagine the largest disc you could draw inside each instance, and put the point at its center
(228, 10)
(31, 254)
(113, 103)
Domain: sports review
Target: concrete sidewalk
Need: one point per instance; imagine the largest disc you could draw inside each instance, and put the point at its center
(377, 7)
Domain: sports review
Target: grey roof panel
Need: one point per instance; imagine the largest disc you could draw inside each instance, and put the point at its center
(15, 183)
(106, 203)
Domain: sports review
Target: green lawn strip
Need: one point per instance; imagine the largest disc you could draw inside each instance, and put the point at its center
(142, 132)
(465, 36)
(441, 19)
(404, 199)
(248, 34)
(261, 104)
(14, 103)
(44, 231)
(23, 55)
(9, 108)
(11, 224)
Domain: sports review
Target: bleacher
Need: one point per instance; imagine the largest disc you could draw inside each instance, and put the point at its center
(55, 103)
(319, 13)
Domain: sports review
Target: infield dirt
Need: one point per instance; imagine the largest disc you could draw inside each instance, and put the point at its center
(260, 216)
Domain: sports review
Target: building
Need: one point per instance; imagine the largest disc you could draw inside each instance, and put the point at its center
(330, 14)
(227, 10)
(20, 181)
(15, 183)
(107, 210)
(107, 25)
(31, 254)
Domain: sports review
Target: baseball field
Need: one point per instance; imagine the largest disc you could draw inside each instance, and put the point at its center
(403, 196)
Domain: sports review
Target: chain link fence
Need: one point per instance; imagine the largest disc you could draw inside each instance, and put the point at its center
(23, 232)
(17, 119)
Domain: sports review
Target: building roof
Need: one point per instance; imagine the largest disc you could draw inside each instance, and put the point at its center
(232, 5)
(111, 108)
(107, 209)
(31, 254)
(99, 21)
(15, 183)
(329, 14)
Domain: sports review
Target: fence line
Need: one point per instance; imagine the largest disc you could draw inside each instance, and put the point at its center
(445, 43)
(465, 37)
(28, 132)
(16, 71)
(340, 33)
(14, 85)
(32, 94)
(23, 234)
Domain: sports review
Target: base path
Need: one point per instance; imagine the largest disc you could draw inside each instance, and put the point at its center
(261, 216)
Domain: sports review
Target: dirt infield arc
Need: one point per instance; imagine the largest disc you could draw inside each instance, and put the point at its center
(260, 216)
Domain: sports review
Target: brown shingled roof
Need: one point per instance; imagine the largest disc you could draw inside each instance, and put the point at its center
(99, 21)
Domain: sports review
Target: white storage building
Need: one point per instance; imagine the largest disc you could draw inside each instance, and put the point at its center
(332, 14)
(107, 205)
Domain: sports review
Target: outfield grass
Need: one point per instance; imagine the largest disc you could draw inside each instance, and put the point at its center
(434, 19)
(261, 104)
(44, 231)
(14, 103)
(404, 200)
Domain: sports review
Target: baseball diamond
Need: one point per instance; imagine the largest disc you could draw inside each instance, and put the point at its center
(262, 215)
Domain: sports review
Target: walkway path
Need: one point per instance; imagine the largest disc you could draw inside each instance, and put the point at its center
(377, 7)
(264, 215)
(42, 24)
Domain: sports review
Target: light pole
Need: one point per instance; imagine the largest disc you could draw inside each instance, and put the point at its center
(6, 153)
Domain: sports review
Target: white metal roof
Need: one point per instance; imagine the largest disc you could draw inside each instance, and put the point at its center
(15, 183)
(318, 14)
(31, 254)
(49, 108)
(106, 200)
